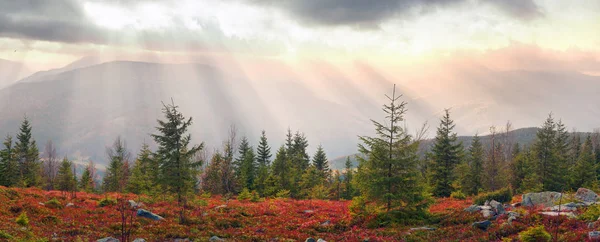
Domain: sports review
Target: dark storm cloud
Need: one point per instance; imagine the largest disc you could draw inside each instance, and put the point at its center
(370, 13)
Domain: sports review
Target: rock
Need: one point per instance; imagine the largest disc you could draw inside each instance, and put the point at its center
(497, 207)
(310, 240)
(586, 195)
(69, 205)
(40, 203)
(108, 239)
(483, 225)
(487, 213)
(326, 223)
(139, 240)
(472, 209)
(546, 199)
(147, 214)
(422, 228)
(221, 206)
(515, 205)
(487, 207)
(594, 235)
(554, 214)
(591, 225)
(486, 203)
(204, 214)
(321, 240)
(182, 240)
(215, 239)
(562, 208)
(132, 204)
(308, 211)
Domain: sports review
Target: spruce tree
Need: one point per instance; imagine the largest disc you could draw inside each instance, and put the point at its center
(86, 183)
(9, 167)
(475, 161)
(518, 168)
(142, 180)
(574, 148)
(348, 174)
(245, 165)
(263, 158)
(179, 168)
(561, 153)
(65, 178)
(211, 181)
(115, 179)
(584, 174)
(320, 162)
(547, 167)
(387, 170)
(446, 155)
(27, 155)
(281, 169)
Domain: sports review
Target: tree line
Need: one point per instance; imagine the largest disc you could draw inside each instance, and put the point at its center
(390, 173)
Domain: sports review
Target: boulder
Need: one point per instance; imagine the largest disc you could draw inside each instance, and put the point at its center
(472, 209)
(308, 211)
(487, 213)
(497, 207)
(326, 223)
(147, 214)
(182, 240)
(310, 240)
(139, 240)
(512, 216)
(546, 199)
(221, 206)
(586, 195)
(554, 214)
(108, 239)
(594, 235)
(215, 239)
(562, 208)
(69, 205)
(132, 204)
(483, 225)
(321, 240)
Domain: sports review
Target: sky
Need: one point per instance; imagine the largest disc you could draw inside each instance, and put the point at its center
(385, 33)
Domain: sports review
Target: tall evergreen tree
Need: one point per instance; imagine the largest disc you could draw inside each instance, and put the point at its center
(142, 180)
(118, 156)
(320, 161)
(585, 169)
(348, 174)
(281, 169)
(546, 162)
(27, 155)
(263, 158)
(87, 182)
(387, 170)
(574, 148)
(211, 181)
(561, 154)
(245, 165)
(9, 167)
(65, 178)
(475, 161)
(178, 168)
(446, 155)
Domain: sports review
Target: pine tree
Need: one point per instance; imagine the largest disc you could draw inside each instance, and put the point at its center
(263, 158)
(475, 161)
(143, 176)
(211, 180)
(446, 155)
(178, 167)
(585, 169)
(245, 165)
(348, 174)
(518, 168)
(387, 170)
(86, 183)
(115, 179)
(561, 154)
(9, 167)
(281, 169)
(65, 178)
(546, 162)
(320, 162)
(27, 155)
(574, 148)
(311, 178)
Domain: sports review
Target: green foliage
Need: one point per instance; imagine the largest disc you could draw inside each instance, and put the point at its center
(283, 194)
(9, 167)
(255, 197)
(5, 235)
(348, 186)
(117, 171)
(446, 155)
(23, 220)
(107, 201)
(358, 206)
(546, 162)
(319, 192)
(244, 195)
(591, 213)
(26, 152)
(245, 165)
(458, 195)
(65, 179)
(263, 158)
(282, 169)
(503, 195)
(584, 171)
(535, 234)
(474, 179)
(53, 203)
(320, 161)
(144, 173)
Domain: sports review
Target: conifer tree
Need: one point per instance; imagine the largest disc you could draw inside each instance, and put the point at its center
(143, 176)
(115, 179)
(518, 168)
(27, 155)
(320, 162)
(9, 167)
(87, 182)
(245, 165)
(585, 169)
(311, 178)
(348, 174)
(211, 181)
(281, 169)
(446, 155)
(65, 178)
(475, 161)
(546, 162)
(561, 154)
(178, 167)
(263, 158)
(574, 148)
(387, 170)
(227, 164)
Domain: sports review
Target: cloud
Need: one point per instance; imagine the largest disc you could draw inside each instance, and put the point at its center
(521, 9)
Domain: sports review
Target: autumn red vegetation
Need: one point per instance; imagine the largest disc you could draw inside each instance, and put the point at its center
(285, 219)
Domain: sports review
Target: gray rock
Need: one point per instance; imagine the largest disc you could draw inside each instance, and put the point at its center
(486, 203)
(147, 214)
(139, 240)
(591, 225)
(483, 225)
(586, 195)
(546, 199)
(422, 228)
(308, 211)
(562, 208)
(594, 235)
(108, 239)
(40, 203)
(321, 240)
(215, 239)
(69, 205)
(182, 240)
(132, 204)
(326, 223)
(310, 240)
(221, 206)
(487, 213)
(497, 207)
(515, 205)
(472, 209)
(554, 214)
